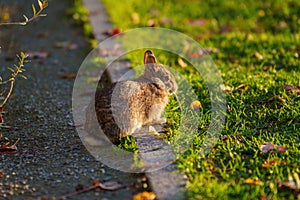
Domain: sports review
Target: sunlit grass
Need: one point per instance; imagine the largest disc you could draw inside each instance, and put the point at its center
(257, 52)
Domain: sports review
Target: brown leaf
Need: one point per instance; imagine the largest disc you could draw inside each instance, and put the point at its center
(268, 146)
(290, 88)
(7, 147)
(281, 149)
(201, 52)
(111, 185)
(197, 22)
(1, 173)
(144, 196)
(293, 182)
(38, 54)
(152, 23)
(166, 21)
(95, 182)
(268, 163)
(253, 181)
(73, 47)
(66, 44)
(265, 197)
(73, 124)
(242, 87)
(68, 76)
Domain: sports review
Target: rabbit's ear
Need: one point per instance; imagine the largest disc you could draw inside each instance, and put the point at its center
(146, 54)
(151, 59)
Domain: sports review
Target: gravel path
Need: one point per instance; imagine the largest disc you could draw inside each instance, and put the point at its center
(50, 160)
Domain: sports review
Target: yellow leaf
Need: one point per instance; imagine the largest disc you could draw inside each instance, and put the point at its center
(33, 9)
(258, 55)
(135, 18)
(196, 105)
(181, 63)
(144, 196)
(40, 4)
(253, 181)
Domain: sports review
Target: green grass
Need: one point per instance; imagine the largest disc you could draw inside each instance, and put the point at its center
(258, 45)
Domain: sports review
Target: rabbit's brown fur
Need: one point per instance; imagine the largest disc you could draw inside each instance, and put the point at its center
(126, 106)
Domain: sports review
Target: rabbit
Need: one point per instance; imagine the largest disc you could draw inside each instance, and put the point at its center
(124, 107)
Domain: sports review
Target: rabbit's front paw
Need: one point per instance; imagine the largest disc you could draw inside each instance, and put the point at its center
(162, 120)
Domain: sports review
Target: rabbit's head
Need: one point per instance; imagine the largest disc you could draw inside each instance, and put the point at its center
(154, 72)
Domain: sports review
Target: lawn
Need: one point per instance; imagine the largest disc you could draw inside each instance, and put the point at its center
(256, 47)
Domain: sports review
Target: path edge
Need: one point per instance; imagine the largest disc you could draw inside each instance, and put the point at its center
(166, 183)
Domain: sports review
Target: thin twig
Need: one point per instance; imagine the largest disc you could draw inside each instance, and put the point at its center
(9, 93)
(77, 192)
(42, 4)
(16, 71)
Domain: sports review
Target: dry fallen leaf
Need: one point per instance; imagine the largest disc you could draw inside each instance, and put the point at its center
(38, 54)
(293, 182)
(196, 105)
(152, 23)
(268, 163)
(290, 88)
(182, 63)
(68, 76)
(268, 146)
(253, 181)
(111, 185)
(135, 18)
(1, 173)
(197, 22)
(166, 21)
(144, 196)
(258, 55)
(74, 124)
(281, 149)
(226, 88)
(242, 87)
(7, 147)
(201, 52)
(265, 197)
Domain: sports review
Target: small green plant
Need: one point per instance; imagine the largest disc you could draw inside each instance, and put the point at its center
(36, 14)
(15, 72)
(18, 69)
(128, 143)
